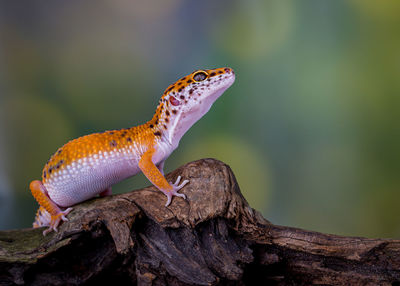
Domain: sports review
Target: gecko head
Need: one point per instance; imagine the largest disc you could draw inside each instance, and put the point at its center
(188, 99)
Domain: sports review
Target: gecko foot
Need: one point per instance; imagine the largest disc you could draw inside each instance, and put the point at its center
(176, 187)
(56, 219)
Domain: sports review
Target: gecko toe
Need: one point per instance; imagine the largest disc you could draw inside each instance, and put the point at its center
(169, 196)
(183, 184)
(177, 180)
(180, 195)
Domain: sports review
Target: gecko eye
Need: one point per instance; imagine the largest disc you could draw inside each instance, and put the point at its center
(200, 76)
(174, 101)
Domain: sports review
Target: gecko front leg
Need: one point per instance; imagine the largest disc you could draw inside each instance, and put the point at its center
(155, 176)
(160, 167)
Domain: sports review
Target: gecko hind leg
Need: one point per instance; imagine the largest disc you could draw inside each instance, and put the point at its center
(57, 215)
(106, 192)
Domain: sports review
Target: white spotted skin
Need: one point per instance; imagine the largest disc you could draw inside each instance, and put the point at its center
(87, 177)
(163, 150)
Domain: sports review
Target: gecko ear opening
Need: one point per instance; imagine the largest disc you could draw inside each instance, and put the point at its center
(174, 101)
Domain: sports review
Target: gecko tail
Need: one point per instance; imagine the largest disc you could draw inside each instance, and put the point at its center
(43, 218)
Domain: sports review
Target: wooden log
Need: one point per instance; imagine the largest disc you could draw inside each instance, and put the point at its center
(212, 238)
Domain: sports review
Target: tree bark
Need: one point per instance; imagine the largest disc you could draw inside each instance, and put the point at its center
(212, 238)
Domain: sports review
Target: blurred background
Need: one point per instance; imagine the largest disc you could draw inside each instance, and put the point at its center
(310, 127)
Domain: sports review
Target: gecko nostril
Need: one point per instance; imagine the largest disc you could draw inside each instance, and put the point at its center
(228, 70)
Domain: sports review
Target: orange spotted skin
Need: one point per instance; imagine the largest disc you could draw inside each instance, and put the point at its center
(88, 166)
(153, 173)
(185, 81)
(91, 144)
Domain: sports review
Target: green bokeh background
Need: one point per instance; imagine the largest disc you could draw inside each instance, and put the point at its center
(310, 127)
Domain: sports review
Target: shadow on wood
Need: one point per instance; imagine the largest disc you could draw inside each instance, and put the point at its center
(213, 238)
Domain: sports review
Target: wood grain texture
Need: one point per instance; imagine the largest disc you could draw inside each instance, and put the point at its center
(213, 238)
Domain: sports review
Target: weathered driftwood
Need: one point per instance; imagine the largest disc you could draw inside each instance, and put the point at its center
(213, 238)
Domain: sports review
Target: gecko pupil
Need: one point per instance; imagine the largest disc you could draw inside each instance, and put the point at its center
(200, 76)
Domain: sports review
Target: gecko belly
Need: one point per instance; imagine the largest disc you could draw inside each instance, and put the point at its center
(85, 178)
